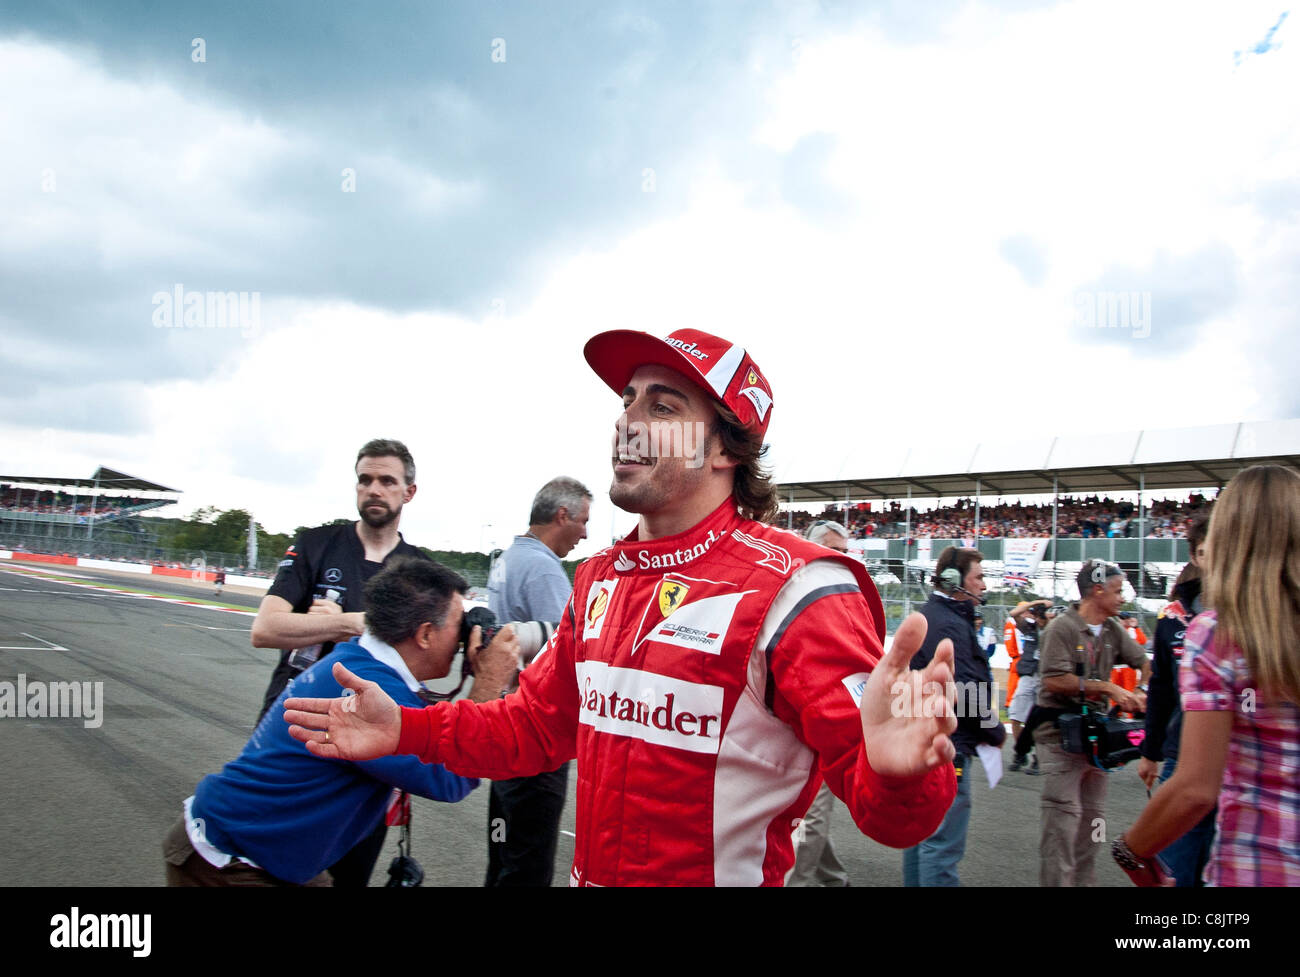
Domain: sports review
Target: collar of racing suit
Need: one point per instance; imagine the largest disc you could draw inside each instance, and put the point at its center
(774, 548)
(632, 555)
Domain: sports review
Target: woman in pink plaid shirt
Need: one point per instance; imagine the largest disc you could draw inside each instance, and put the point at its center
(1240, 683)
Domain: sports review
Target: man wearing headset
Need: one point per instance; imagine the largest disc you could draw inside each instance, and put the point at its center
(950, 613)
(1076, 654)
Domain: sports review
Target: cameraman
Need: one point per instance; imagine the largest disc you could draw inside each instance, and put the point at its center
(950, 613)
(1077, 652)
(278, 815)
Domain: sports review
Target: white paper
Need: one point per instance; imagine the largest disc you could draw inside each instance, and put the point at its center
(991, 757)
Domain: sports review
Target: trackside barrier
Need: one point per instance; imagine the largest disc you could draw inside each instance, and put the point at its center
(184, 573)
(144, 568)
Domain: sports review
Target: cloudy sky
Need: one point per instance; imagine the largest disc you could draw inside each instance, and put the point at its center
(911, 214)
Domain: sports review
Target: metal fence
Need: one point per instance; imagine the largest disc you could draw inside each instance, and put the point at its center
(1065, 550)
(900, 599)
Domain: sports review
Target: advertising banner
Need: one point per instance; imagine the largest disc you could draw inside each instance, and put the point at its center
(1020, 560)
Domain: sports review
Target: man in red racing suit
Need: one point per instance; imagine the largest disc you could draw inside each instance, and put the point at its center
(707, 679)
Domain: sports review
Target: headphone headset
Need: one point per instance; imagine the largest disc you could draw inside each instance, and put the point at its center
(949, 581)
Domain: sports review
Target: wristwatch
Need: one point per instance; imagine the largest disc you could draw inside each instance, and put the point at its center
(1123, 854)
(1144, 872)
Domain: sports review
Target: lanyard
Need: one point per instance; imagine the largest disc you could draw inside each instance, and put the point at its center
(1090, 645)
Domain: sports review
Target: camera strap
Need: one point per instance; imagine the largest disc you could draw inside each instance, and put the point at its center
(399, 809)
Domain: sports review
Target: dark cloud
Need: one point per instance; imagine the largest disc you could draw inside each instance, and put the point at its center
(92, 406)
(469, 171)
(472, 171)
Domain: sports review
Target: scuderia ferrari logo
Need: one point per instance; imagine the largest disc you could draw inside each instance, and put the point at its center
(759, 398)
(671, 595)
(699, 622)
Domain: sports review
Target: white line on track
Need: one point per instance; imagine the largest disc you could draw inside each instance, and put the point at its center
(205, 627)
(61, 570)
(44, 646)
(112, 591)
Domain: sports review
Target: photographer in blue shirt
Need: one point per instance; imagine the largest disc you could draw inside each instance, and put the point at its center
(277, 815)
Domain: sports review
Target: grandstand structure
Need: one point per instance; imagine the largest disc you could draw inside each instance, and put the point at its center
(79, 516)
(1180, 460)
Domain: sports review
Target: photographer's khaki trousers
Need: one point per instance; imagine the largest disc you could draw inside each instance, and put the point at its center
(1074, 807)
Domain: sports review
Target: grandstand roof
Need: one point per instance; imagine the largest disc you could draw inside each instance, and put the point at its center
(1176, 458)
(103, 479)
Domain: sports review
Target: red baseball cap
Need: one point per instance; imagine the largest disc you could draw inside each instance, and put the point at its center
(723, 369)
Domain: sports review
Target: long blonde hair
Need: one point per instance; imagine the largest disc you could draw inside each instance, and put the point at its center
(1253, 577)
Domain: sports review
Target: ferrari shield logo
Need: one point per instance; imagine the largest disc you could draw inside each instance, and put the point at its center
(597, 607)
(753, 378)
(671, 595)
(598, 598)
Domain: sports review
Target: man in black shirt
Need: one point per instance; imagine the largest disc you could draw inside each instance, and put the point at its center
(950, 613)
(316, 599)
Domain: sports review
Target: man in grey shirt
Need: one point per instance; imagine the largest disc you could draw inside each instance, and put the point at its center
(528, 583)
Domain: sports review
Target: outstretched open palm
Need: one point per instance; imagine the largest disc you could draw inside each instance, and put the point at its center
(355, 727)
(907, 715)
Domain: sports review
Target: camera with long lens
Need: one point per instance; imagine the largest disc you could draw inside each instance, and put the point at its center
(531, 635)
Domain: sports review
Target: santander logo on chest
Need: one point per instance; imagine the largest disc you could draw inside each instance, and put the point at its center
(624, 693)
(630, 559)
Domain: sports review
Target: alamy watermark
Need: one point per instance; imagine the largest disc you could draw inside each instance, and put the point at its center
(639, 442)
(189, 309)
(53, 700)
(912, 700)
(75, 930)
(1114, 310)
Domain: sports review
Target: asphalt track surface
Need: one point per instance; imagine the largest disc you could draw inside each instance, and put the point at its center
(182, 689)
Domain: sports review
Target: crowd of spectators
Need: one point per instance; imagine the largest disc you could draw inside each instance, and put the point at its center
(61, 503)
(1088, 517)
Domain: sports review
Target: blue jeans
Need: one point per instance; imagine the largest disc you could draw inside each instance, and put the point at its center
(1188, 856)
(934, 861)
